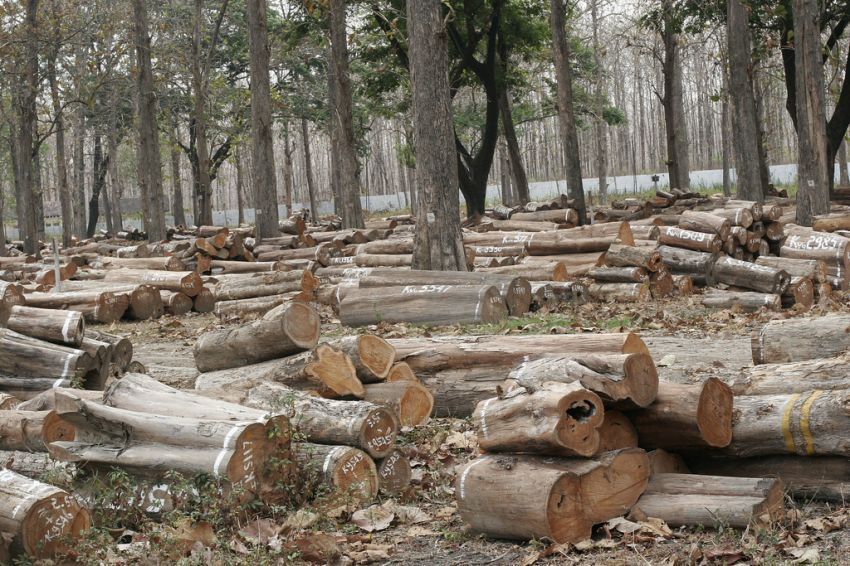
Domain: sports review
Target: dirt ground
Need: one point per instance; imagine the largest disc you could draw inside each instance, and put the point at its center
(687, 342)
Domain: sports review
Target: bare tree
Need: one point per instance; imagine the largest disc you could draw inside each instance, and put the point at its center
(342, 118)
(150, 166)
(59, 126)
(812, 164)
(678, 163)
(438, 243)
(566, 112)
(744, 116)
(176, 178)
(265, 182)
(308, 170)
(600, 128)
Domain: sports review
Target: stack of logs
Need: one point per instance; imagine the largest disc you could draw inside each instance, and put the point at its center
(563, 441)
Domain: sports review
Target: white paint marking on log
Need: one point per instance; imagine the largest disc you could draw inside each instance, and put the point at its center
(225, 448)
(738, 217)
(67, 366)
(761, 343)
(351, 424)
(477, 316)
(466, 473)
(483, 417)
(331, 455)
(67, 326)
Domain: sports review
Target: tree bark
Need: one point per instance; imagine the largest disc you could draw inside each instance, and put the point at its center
(438, 243)
(520, 178)
(308, 171)
(745, 122)
(150, 168)
(600, 128)
(61, 162)
(566, 111)
(265, 202)
(813, 163)
(203, 189)
(176, 178)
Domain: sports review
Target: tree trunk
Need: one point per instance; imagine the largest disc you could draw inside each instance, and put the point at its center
(566, 111)
(79, 195)
(726, 133)
(240, 188)
(287, 169)
(264, 181)
(203, 188)
(117, 222)
(813, 164)
(61, 163)
(520, 179)
(308, 172)
(600, 128)
(342, 119)
(843, 177)
(744, 116)
(150, 168)
(176, 179)
(99, 169)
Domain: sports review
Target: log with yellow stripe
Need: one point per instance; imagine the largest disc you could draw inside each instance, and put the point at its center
(809, 423)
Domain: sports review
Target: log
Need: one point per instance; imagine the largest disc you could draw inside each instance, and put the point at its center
(295, 331)
(563, 291)
(344, 469)
(498, 251)
(680, 260)
(794, 377)
(382, 260)
(188, 282)
(8, 402)
(175, 304)
(170, 263)
(801, 292)
(686, 417)
(523, 226)
(619, 379)
(515, 290)
(552, 271)
(122, 348)
(424, 304)
(59, 327)
(619, 274)
(263, 285)
(753, 276)
(561, 419)
(561, 216)
(324, 370)
(243, 308)
(831, 222)
(663, 462)
(809, 423)
(803, 243)
(741, 217)
(31, 359)
(372, 356)
(32, 430)
(616, 433)
(746, 301)
(461, 371)
(683, 284)
(824, 478)
(204, 301)
(410, 401)
(800, 339)
(143, 301)
(44, 520)
(96, 306)
(394, 473)
(713, 501)
(705, 222)
(528, 497)
(33, 465)
(619, 292)
(811, 268)
(11, 293)
(697, 241)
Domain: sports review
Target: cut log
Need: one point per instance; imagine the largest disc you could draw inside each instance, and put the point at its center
(295, 331)
(516, 291)
(661, 284)
(705, 222)
(619, 255)
(32, 430)
(324, 370)
(619, 274)
(804, 243)
(573, 292)
(8, 402)
(44, 520)
(697, 241)
(616, 433)
(204, 301)
(143, 301)
(262, 285)
(60, 327)
(551, 271)
(31, 359)
(244, 308)
(809, 423)
(122, 352)
(680, 260)
(811, 268)
(795, 377)
(825, 478)
(96, 306)
(562, 419)
(394, 473)
(683, 284)
(176, 304)
(746, 301)
(761, 278)
(188, 282)
(687, 417)
(742, 217)
(800, 292)
(714, 501)
(170, 263)
(372, 356)
(528, 497)
(617, 378)
(663, 462)
(344, 469)
(410, 401)
(425, 304)
(799, 339)
(619, 292)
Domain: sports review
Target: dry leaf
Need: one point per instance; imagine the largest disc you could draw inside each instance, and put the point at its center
(374, 518)
(805, 555)
(417, 531)
(317, 547)
(410, 515)
(302, 519)
(445, 512)
(623, 525)
(260, 531)
(188, 533)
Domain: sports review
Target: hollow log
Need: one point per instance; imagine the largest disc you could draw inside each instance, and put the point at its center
(686, 416)
(60, 327)
(714, 501)
(410, 401)
(746, 301)
(761, 278)
(817, 478)
(344, 469)
(562, 419)
(617, 378)
(424, 304)
(528, 497)
(44, 520)
(295, 331)
(394, 473)
(324, 370)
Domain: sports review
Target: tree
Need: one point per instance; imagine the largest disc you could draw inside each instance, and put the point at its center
(438, 244)
(599, 126)
(149, 165)
(265, 184)
(347, 172)
(566, 112)
(58, 111)
(673, 100)
(813, 164)
(745, 122)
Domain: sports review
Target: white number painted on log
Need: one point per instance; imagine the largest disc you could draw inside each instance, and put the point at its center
(419, 289)
(350, 464)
